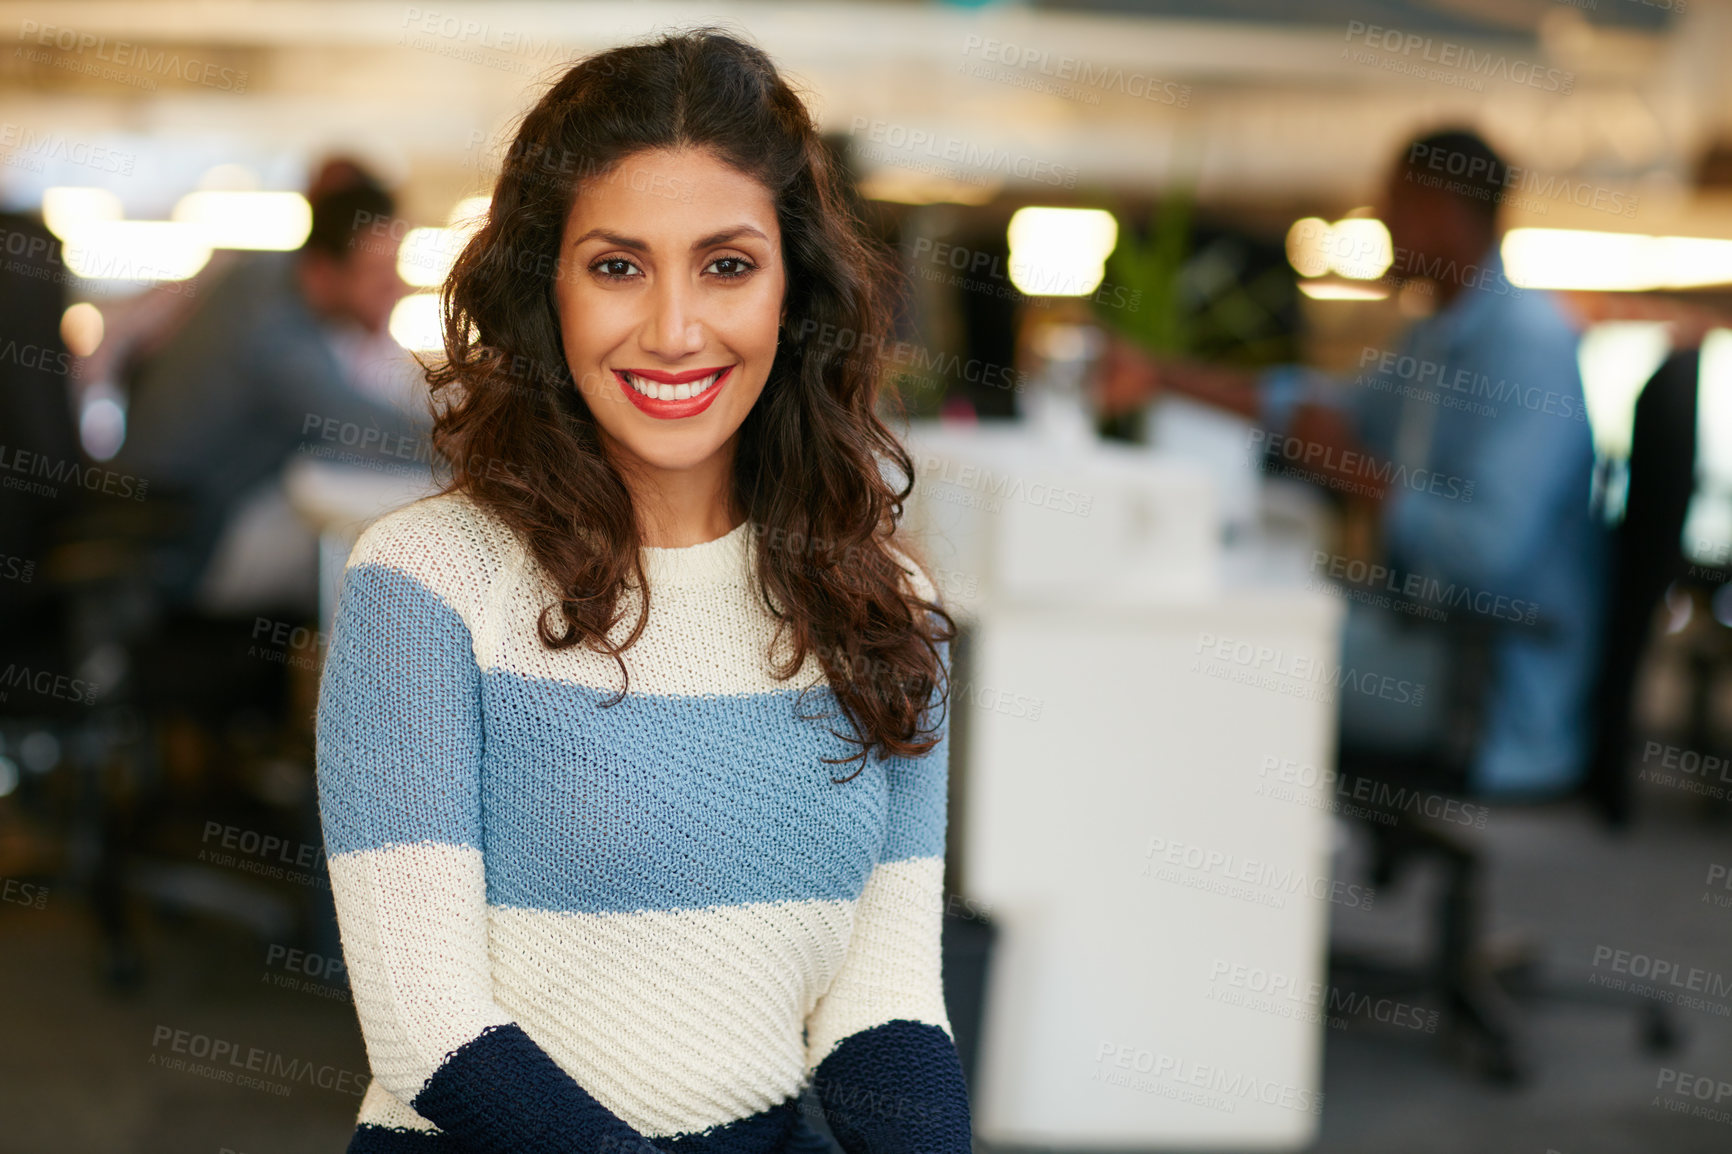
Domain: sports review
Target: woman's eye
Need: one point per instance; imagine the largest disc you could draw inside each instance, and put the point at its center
(730, 266)
(613, 267)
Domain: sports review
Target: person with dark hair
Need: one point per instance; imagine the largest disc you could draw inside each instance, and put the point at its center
(632, 742)
(256, 371)
(1472, 436)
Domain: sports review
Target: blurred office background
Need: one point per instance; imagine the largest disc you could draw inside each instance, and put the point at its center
(1187, 914)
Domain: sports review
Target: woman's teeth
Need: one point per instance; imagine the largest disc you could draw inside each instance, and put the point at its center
(664, 392)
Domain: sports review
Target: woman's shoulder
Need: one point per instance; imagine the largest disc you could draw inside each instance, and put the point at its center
(447, 543)
(915, 580)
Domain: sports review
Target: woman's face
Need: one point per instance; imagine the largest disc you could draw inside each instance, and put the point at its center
(669, 293)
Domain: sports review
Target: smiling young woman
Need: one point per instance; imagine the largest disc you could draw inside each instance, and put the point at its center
(632, 743)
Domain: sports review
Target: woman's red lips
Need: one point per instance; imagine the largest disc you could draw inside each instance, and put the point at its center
(672, 409)
(684, 378)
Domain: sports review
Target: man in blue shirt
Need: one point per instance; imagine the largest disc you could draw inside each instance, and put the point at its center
(1474, 433)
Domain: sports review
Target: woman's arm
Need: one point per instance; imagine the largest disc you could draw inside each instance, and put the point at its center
(884, 1064)
(399, 758)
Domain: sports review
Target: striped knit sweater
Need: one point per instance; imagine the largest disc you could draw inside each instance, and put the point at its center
(584, 929)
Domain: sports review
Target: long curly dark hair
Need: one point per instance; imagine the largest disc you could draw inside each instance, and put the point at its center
(819, 475)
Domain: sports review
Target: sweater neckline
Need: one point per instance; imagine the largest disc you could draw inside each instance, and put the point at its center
(717, 562)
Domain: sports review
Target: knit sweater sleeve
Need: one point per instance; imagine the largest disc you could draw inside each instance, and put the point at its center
(399, 750)
(885, 1066)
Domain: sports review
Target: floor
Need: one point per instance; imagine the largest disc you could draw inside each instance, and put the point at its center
(88, 1070)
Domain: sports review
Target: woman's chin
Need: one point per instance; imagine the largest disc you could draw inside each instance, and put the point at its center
(673, 452)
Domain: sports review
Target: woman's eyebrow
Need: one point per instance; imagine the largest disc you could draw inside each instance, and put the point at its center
(715, 238)
(611, 238)
(727, 234)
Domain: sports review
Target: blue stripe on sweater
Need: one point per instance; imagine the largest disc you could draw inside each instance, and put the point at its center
(398, 652)
(600, 810)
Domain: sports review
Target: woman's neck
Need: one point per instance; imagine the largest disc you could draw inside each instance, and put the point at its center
(681, 507)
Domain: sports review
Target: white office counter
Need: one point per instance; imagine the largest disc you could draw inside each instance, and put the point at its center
(1138, 809)
(339, 502)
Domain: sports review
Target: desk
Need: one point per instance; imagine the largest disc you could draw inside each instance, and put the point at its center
(339, 501)
(1122, 813)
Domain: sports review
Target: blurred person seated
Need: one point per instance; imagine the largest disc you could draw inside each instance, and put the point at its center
(1472, 440)
(283, 354)
(38, 446)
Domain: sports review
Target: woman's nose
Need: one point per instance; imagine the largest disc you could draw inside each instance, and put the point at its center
(674, 329)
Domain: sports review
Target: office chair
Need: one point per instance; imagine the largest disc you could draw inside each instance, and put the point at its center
(1645, 556)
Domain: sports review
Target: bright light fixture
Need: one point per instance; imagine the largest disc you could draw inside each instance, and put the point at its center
(1308, 246)
(1334, 290)
(415, 323)
(904, 186)
(1060, 252)
(470, 212)
(427, 254)
(1708, 521)
(1358, 248)
(81, 329)
(64, 209)
(136, 250)
(268, 221)
(1581, 259)
(1616, 359)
